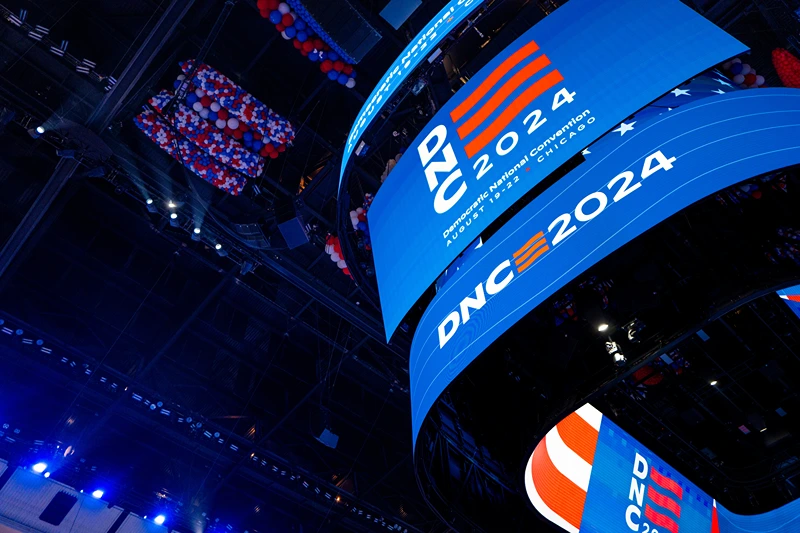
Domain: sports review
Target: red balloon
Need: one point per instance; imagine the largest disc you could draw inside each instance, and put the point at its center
(326, 66)
(244, 127)
(362, 217)
(269, 148)
(257, 136)
(282, 148)
(750, 79)
(263, 152)
(206, 101)
(265, 13)
(222, 113)
(297, 44)
(308, 46)
(227, 131)
(237, 134)
(756, 195)
(272, 5)
(348, 69)
(273, 155)
(304, 53)
(279, 26)
(287, 20)
(318, 44)
(262, 5)
(346, 271)
(338, 65)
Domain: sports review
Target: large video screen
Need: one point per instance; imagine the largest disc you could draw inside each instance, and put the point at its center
(632, 182)
(589, 475)
(420, 48)
(555, 90)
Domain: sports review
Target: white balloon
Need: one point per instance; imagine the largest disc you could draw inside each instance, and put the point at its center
(341, 264)
(329, 249)
(738, 79)
(753, 71)
(181, 77)
(760, 80)
(199, 92)
(354, 221)
(284, 8)
(350, 83)
(335, 257)
(727, 65)
(737, 60)
(197, 106)
(233, 124)
(746, 69)
(359, 210)
(283, 34)
(204, 113)
(353, 213)
(294, 15)
(220, 123)
(215, 106)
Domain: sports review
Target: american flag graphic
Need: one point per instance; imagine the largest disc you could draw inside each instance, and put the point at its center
(471, 117)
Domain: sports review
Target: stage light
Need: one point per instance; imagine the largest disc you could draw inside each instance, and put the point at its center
(713, 382)
(39, 130)
(218, 246)
(47, 474)
(159, 520)
(614, 350)
(763, 430)
(39, 467)
(173, 216)
(197, 231)
(149, 201)
(97, 494)
(171, 204)
(602, 327)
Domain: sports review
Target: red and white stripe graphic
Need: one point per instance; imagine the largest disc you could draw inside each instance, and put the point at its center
(558, 473)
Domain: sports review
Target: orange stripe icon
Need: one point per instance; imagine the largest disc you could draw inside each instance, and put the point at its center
(530, 252)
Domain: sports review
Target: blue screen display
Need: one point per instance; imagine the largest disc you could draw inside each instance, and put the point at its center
(589, 475)
(792, 298)
(555, 90)
(657, 167)
(421, 47)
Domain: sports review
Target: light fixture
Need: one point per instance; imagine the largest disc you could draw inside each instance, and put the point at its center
(159, 520)
(713, 382)
(97, 494)
(47, 474)
(614, 350)
(763, 430)
(602, 327)
(197, 231)
(171, 204)
(338, 499)
(40, 129)
(149, 201)
(218, 246)
(173, 216)
(39, 467)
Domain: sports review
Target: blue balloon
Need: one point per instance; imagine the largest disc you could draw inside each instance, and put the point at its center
(332, 75)
(300, 24)
(176, 83)
(313, 57)
(736, 68)
(257, 145)
(302, 36)
(362, 226)
(353, 74)
(191, 98)
(275, 17)
(249, 144)
(343, 79)
(212, 116)
(248, 136)
(333, 56)
(291, 31)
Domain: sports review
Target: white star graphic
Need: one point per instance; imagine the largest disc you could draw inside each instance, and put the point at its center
(586, 152)
(719, 91)
(723, 82)
(624, 128)
(681, 92)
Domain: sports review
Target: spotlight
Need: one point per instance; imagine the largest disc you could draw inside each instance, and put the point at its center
(602, 327)
(196, 236)
(47, 474)
(151, 206)
(713, 383)
(171, 204)
(197, 231)
(34, 133)
(614, 350)
(763, 430)
(39, 467)
(220, 251)
(173, 216)
(97, 494)
(159, 520)
(149, 201)
(40, 130)
(218, 246)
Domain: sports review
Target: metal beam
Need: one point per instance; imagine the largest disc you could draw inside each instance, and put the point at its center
(98, 121)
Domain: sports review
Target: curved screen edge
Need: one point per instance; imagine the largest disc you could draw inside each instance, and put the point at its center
(589, 475)
(668, 163)
(556, 89)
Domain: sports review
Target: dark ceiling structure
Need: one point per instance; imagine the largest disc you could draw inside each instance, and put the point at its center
(199, 382)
